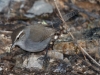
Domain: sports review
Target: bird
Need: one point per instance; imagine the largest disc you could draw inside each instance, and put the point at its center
(35, 38)
(32, 38)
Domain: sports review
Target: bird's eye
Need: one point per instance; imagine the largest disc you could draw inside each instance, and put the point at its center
(20, 36)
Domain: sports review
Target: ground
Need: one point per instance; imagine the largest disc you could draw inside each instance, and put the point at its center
(80, 33)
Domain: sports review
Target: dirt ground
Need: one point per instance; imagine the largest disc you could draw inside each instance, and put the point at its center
(75, 52)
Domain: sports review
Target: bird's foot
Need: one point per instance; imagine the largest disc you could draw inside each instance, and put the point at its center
(25, 55)
(61, 68)
(45, 60)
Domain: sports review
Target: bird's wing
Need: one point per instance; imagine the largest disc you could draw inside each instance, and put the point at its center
(40, 33)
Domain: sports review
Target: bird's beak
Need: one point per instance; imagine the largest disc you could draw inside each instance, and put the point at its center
(12, 46)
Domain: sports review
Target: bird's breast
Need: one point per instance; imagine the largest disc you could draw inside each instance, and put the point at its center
(32, 46)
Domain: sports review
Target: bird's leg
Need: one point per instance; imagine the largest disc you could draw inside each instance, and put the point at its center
(25, 55)
(46, 59)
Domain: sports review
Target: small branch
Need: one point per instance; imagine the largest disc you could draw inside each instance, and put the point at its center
(5, 32)
(62, 18)
(89, 56)
(59, 12)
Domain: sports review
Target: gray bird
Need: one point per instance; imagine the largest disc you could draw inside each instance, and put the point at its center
(35, 38)
(32, 38)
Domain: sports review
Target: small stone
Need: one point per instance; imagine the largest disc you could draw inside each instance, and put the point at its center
(11, 74)
(29, 61)
(55, 37)
(32, 61)
(60, 68)
(67, 61)
(55, 54)
(0, 69)
(3, 4)
(79, 28)
(41, 7)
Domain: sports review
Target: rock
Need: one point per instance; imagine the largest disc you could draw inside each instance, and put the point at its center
(65, 47)
(67, 62)
(40, 7)
(3, 4)
(30, 61)
(61, 68)
(33, 60)
(1, 69)
(55, 54)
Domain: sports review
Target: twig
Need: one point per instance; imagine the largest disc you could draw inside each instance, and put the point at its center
(91, 66)
(59, 12)
(3, 31)
(89, 56)
(72, 35)
(63, 19)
